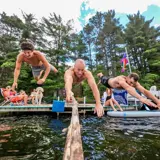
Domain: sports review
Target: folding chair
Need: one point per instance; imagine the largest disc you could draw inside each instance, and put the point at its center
(6, 100)
(9, 99)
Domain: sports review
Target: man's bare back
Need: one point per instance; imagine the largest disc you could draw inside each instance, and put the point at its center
(130, 83)
(115, 82)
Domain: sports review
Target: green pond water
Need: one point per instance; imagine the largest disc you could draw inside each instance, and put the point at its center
(40, 137)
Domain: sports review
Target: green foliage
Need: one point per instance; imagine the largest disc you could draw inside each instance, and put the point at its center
(141, 39)
(150, 80)
(8, 64)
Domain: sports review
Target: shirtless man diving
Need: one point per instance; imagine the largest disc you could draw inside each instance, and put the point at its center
(77, 74)
(37, 61)
(130, 83)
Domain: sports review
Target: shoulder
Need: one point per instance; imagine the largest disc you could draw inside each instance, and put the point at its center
(137, 85)
(69, 71)
(88, 73)
(121, 78)
(37, 53)
(20, 56)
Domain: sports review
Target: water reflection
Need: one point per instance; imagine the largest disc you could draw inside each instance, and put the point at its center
(30, 137)
(41, 138)
(117, 138)
(57, 125)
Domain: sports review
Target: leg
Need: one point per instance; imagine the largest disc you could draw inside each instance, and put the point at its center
(53, 69)
(25, 99)
(37, 72)
(116, 103)
(112, 105)
(36, 78)
(37, 98)
(41, 72)
(33, 100)
(40, 98)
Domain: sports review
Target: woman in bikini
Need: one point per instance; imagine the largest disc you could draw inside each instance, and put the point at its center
(111, 101)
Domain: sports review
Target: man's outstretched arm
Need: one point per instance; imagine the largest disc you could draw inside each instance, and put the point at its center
(17, 71)
(55, 69)
(96, 94)
(133, 92)
(148, 94)
(68, 84)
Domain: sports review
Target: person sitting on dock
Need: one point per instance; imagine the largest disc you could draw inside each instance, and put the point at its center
(22, 97)
(76, 75)
(8, 92)
(12, 96)
(130, 83)
(110, 101)
(37, 61)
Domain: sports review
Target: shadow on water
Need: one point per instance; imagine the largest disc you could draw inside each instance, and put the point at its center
(41, 138)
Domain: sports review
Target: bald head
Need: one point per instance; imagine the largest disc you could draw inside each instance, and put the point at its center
(79, 62)
(79, 68)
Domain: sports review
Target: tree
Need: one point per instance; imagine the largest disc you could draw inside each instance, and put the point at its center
(78, 47)
(10, 32)
(139, 36)
(58, 35)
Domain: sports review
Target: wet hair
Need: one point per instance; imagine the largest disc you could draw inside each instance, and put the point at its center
(27, 45)
(135, 76)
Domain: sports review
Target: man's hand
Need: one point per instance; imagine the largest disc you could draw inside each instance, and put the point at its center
(158, 104)
(14, 85)
(69, 97)
(148, 102)
(55, 70)
(99, 110)
(100, 75)
(41, 81)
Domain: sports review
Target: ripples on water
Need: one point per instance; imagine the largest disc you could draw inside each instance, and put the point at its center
(41, 138)
(117, 138)
(31, 137)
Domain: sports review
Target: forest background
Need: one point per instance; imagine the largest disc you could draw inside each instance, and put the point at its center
(101, 43)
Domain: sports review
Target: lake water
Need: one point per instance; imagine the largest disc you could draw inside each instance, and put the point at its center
(40, 137)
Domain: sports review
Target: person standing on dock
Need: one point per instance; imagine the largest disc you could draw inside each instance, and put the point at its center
(76, 75)
(130, 83)
(36, 59)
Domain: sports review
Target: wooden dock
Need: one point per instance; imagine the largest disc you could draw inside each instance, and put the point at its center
(82, 108)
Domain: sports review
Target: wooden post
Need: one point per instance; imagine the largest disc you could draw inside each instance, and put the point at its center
(73, 147)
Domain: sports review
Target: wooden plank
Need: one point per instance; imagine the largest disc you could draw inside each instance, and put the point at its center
(73, 147)
(47, 107)
(24, 111)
